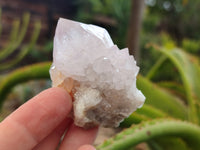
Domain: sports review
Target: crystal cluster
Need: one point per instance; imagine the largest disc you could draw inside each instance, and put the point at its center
(100, 77)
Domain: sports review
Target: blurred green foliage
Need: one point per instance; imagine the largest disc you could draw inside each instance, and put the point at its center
(17, 36)
(177, 17)
(191, 46)
(169, 75)
(16, 49)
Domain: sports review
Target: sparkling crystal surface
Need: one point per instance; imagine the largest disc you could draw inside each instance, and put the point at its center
(100, 77)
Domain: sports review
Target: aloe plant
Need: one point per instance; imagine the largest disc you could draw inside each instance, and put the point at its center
(151, 130)
(15, 41)
(189, 71)
(21, 75)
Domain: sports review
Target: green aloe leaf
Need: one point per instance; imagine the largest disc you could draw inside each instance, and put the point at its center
(172, 143)
(162, 99)
(151, 130)
(155, 67)
(175, 88)
(10, 46)
(134, 118)
(151, 111)
(147, 112)
(15, 40)
(24, 74)
(25, 50)
(189, 70)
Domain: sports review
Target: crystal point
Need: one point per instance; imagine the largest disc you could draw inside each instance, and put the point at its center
(100, 77)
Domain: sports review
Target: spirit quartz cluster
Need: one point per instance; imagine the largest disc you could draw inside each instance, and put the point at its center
(100, 77)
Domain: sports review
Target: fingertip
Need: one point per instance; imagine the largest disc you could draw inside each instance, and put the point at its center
(87, 147)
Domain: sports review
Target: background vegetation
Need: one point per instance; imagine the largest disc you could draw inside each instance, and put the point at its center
(169, 68)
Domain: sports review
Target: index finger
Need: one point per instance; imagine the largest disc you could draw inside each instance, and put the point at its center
(34, 120)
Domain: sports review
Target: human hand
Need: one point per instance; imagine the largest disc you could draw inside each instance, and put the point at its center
(40, 123)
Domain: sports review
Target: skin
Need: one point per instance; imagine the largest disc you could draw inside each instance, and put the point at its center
(40, 123)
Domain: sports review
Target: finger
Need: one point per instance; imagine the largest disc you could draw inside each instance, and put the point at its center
(34, 120)
(87, 147)
(52, 141)
(76, 137)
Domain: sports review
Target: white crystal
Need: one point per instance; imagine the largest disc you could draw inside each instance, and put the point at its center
(101, 78)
